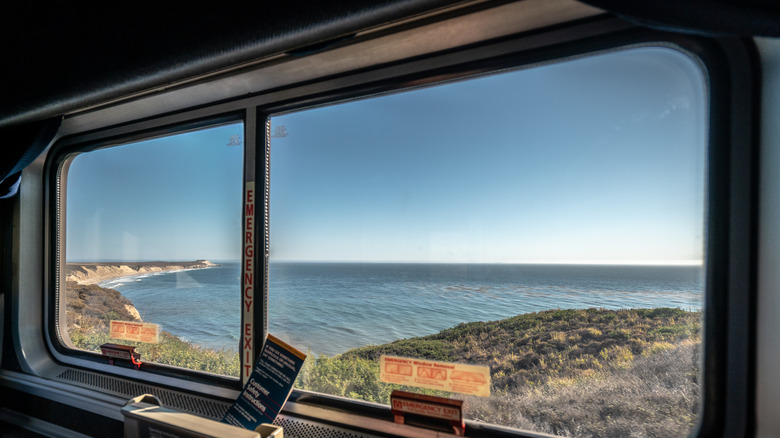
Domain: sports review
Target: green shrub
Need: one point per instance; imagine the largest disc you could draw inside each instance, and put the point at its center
(170, 351)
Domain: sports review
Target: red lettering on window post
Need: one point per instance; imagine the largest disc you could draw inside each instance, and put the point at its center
(248, 280)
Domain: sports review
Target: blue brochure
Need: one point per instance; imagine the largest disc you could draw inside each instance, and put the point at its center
(268, 386)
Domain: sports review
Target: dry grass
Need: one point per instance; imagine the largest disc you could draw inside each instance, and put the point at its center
(533, 348)
(90, 307)
(581, 373)
(655, 396)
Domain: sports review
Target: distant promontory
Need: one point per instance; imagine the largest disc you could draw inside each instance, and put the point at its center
(93, 273)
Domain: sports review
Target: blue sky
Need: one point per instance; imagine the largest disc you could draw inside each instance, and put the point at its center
(597, 160)
(600, 159)
(171, 198)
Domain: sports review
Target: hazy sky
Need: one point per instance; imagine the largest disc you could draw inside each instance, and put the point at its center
(600, 159)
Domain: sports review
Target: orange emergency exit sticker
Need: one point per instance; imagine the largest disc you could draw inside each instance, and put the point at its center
(135, 331)
(445, 376)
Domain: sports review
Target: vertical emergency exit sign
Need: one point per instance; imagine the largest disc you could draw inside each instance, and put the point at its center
(248, 280)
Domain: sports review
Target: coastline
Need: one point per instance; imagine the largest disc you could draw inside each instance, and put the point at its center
(95, 273)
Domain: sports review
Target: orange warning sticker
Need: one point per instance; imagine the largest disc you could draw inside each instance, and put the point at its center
(427, 409)
(446, 376)
(135, 331)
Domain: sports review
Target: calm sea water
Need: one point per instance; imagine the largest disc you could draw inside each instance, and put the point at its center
(328, 308)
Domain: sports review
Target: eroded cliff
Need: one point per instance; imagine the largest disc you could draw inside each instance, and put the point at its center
(93, 273)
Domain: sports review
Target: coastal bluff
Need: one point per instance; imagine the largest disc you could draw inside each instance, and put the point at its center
(93, 273)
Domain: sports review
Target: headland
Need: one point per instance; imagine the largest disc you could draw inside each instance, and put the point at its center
(93, 273)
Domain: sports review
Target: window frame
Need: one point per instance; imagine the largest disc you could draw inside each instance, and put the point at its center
(728, 339)
(62, 155)
(731, 210)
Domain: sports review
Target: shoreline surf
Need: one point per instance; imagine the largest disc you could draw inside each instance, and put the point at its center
(101, 272)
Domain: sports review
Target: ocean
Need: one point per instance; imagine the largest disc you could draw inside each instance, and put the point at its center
(328, 308)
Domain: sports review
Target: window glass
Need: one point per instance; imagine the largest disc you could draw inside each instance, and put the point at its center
(152, 249)
(544, 224)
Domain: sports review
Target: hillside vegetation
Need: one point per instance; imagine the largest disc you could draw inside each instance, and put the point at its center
(89, 310)
(585, 373)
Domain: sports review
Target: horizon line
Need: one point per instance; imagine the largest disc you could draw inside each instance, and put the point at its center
(524, 262)
(683, 262)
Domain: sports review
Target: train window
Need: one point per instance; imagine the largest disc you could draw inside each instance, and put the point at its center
(152, 248)
(546, 224)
